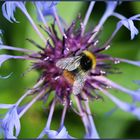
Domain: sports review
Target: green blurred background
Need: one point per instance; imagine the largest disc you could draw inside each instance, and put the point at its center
(117, 125)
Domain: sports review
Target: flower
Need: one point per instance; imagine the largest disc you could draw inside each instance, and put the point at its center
(60, 78)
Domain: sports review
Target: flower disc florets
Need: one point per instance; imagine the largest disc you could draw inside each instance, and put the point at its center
(56, 48)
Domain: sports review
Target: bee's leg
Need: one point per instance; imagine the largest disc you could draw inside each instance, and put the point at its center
(95, 74)
(80, 97)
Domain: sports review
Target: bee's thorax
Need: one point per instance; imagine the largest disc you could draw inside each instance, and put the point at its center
(88, 61)
(85, 63)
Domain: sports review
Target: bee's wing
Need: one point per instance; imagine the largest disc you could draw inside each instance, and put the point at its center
(69, 63)
(79, 83)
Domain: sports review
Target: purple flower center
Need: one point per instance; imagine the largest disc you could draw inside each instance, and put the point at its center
(61, 80)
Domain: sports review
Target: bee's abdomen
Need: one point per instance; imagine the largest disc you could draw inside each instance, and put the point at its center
(86, 63)
(69, 76)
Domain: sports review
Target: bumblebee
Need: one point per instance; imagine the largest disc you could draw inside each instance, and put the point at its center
(76, 69)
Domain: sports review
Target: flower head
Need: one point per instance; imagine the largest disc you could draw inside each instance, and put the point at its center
(71, 65)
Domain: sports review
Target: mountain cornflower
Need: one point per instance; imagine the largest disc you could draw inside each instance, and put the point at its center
(53, 80)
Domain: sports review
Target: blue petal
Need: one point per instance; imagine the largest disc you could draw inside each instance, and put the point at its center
(5, 57)
(92, 134)
(134, 31)
(8, 9)
(136, 112)
(135, 63)
(124, 105)
(19, 109)
(129, 24)
(51, 133)
(44, 5)
(46, 8)
(135, 17)
(6, 106)
(111, 5)
(10, 122)
(63, 134)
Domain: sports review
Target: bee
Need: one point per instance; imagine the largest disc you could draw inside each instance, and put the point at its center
(76, 69)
